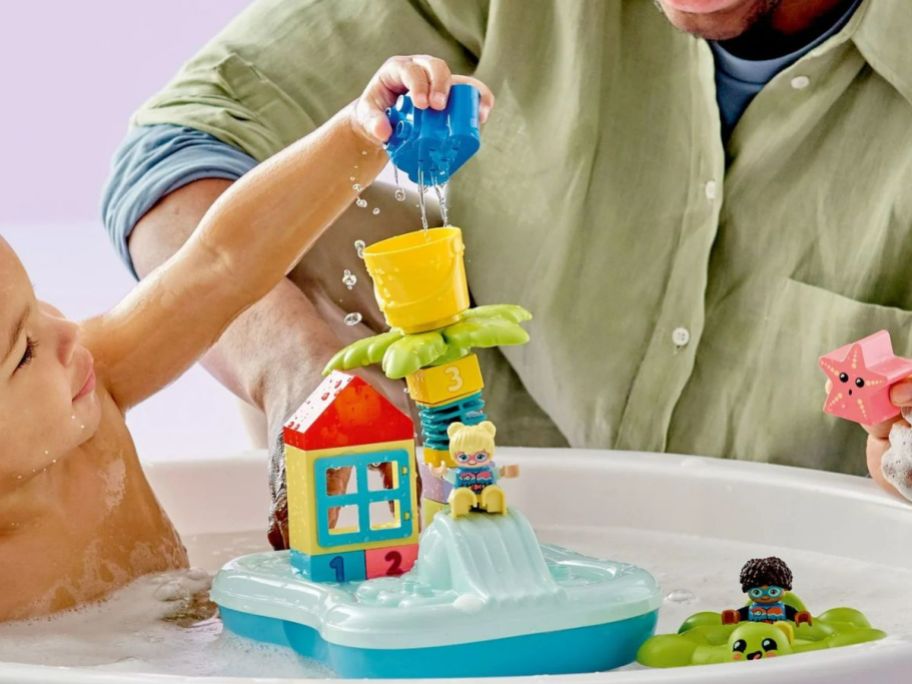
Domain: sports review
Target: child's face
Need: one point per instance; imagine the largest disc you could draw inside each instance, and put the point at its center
(48, 404)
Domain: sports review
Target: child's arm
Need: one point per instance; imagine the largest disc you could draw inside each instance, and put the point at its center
(253, 235)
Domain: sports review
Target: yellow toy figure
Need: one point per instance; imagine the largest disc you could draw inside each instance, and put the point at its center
(473, 473)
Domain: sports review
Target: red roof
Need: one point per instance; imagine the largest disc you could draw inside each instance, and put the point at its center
(345, 411)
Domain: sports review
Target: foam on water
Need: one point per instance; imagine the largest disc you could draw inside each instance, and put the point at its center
(708, 570)
(131, 633)
(159, 624)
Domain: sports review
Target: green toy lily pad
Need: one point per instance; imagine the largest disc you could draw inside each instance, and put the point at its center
(704, 640)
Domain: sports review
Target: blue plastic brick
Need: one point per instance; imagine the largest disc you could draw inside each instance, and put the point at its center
(430, 145)
(332, 567)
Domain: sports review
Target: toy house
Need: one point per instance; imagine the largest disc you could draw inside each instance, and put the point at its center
(346, 423)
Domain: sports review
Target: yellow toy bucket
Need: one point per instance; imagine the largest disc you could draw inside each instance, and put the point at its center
(419, 278)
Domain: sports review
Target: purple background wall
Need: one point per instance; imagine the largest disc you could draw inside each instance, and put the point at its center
(72, 72)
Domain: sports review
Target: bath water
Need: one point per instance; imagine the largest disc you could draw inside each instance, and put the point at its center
(422, 207)
(159, 624)
(440, 191)
(128, 633)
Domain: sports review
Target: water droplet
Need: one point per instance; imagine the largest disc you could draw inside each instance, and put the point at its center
(359, 248)
(357, 187)
(349, 279)
(46, 452)
(363, 153)
(681, 596)
(361, 203)
(324, 396)
(352, 318)
(352, 178)
(375, 211)
(399, 195)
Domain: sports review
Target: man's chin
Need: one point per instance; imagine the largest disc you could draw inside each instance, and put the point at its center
(716, 19)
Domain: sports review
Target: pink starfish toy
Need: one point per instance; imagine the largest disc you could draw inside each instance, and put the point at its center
(861, 374)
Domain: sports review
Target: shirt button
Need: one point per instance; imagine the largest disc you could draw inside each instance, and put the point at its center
(710, 190)
(680, 337)
(800, 82)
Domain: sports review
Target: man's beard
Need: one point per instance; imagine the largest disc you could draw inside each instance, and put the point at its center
(723, 25)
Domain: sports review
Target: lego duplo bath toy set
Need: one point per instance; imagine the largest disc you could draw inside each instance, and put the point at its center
(370, 592)
(475, 594)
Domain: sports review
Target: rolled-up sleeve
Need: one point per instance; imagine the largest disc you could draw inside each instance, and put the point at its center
(154, 161)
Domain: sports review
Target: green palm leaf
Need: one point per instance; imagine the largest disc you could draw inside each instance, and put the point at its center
(485, 332)
(411, 353)
(510, 312)
(363, 352)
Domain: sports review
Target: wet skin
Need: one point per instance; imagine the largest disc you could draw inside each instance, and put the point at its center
(77, 517)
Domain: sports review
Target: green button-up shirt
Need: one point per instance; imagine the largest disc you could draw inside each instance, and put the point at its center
(682, 289)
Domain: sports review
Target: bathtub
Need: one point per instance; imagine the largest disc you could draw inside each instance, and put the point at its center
(691, 521)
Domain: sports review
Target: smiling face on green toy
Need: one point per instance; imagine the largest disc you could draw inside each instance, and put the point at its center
(754, 641)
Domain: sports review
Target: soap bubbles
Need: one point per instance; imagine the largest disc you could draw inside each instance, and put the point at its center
(359, 248)
(349, 279)
(361, 203)
(680, 596)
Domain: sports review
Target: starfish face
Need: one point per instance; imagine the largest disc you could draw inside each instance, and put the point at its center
(861, 375)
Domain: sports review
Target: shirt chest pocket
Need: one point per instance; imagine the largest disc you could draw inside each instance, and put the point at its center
(785, 393)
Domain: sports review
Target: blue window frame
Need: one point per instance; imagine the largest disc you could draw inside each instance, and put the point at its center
(363, 497)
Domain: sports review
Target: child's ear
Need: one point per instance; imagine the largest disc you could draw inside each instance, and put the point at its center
(453, 429)
(488, 427)
(786, 629)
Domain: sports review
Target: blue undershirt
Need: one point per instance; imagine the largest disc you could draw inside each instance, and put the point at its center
(739, 80)
(154, 161)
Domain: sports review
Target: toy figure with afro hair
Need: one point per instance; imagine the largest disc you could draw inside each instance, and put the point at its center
(472, 471)
(765, 581)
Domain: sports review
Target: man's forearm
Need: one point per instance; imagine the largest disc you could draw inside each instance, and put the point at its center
(278, 345)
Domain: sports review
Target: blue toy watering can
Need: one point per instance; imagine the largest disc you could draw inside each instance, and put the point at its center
(430, 145)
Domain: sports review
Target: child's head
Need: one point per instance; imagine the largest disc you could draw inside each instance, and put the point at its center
(471, 446)
(47, 400)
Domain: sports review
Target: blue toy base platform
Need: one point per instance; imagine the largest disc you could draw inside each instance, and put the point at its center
(484, 599)
(584, 649)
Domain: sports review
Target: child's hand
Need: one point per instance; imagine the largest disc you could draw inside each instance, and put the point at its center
(879, 435)
(427, 79)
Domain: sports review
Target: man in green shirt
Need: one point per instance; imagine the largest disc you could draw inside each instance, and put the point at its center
(685, 272)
